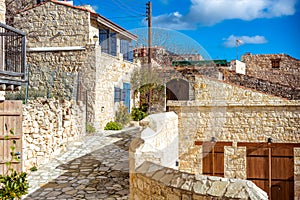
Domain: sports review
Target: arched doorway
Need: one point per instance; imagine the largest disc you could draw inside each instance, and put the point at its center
(177, 89)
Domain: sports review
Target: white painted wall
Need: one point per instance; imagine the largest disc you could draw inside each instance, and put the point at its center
(160, 140)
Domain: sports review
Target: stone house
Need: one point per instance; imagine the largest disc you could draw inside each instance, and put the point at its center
(276, 68)
(12, 56)
(75, 53)
(236, 132)
(276, 74)
(12, 76)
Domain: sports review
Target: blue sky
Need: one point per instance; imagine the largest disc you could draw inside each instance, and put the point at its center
(262, 26)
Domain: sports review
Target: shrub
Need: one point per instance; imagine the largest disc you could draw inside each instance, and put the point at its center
(122, 115)
(13, 185)
(33, 169)
(89, 128)
(113, 126)
(137, 114)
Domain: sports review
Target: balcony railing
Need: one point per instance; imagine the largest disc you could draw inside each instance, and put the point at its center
(12, 55)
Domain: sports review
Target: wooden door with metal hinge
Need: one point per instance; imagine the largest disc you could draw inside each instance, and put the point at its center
(10, 119)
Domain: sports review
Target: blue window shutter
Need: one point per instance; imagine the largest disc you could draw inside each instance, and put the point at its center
(113, 44)
(103, 40)
(117, 94)
(126, 89)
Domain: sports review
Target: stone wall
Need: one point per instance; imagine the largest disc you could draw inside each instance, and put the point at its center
(234, 114)
(2, 11)
(64, 75)
(235, 162)
(54, 25)
(111, 72)
(150, 181)
(84, 74)
(48, 125)
(221, 110)
(160, 140)
(261, 85)
(260, 66)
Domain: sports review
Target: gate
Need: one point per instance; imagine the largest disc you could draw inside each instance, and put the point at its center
(10, 118)
(271, 167)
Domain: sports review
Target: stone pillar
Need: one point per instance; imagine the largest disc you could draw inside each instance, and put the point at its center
(191, 161)
(297, 172)
(235, 162)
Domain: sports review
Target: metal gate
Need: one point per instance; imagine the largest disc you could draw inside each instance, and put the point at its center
(10, 119)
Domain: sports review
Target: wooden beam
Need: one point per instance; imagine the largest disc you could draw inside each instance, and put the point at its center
(2, 137)
(213, 160)
(270, 172)
(13, 162)
(216, 143)
(14, 74)
(267, 145)
(10, 113)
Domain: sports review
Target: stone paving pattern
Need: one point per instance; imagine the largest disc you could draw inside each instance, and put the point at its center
(94, 168)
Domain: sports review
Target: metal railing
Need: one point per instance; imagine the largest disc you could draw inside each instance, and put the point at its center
(12, 54)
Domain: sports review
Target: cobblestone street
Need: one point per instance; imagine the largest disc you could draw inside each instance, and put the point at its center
(94, 168)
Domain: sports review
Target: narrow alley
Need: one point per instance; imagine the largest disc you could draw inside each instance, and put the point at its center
(94, 168)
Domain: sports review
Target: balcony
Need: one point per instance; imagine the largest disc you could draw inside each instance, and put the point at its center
(12, 58)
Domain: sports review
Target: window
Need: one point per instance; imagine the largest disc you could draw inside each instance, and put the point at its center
(275, 63)
(126, 49)
(108, 41)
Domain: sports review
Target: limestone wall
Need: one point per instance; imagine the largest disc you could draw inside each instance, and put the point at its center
(227, 113)
(260, 66)
(111, 72)
(151, 180)
(2, 11)
(160, 140)
(49, 124)
(64, 75)
(54, 25)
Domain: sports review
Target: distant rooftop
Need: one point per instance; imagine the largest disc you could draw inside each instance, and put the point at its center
(199, 62)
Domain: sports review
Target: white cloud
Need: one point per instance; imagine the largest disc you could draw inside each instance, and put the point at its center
(214, 11)
(210, 12)
(173, 20)
(231, 40)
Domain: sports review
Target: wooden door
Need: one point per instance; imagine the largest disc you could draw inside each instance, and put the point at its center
(272, 169)
(282, 173)
(10, 119)
(213, 160)
(258, 167)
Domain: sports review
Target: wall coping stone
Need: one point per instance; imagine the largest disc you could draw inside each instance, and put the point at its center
(201, 184)
(220, 103)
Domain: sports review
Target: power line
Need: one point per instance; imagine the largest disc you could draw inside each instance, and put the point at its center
(136, 16)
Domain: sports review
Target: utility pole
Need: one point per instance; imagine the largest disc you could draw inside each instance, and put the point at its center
(149, 18)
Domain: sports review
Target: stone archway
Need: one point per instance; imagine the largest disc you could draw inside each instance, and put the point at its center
(177, 89)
